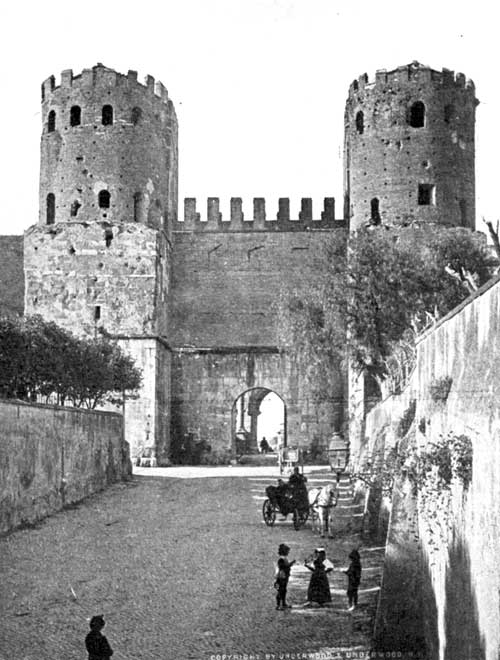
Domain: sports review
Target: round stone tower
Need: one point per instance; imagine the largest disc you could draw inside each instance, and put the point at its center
(108, 150)
(409, 148)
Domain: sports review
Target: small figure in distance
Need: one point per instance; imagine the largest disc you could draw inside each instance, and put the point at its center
(96, 644)
(265, 446)
(282, 576)
(353, 579)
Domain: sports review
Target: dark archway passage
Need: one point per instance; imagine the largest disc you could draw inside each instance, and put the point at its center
(257, 414)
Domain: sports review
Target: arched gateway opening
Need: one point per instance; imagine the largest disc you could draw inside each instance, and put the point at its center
(258, 414)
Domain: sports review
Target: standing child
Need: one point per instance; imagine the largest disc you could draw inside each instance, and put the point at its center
(283, 569)
(353, 578)
(96, 644)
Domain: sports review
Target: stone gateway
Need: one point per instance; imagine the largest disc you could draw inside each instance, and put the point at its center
(194, 301)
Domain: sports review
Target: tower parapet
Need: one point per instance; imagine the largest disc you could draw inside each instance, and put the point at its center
(108, 149)
(259, 221)
(409, 148)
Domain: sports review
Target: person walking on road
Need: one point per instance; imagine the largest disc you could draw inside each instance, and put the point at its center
(353, 579)
(319, 588)
(96, 644)
(282, 576)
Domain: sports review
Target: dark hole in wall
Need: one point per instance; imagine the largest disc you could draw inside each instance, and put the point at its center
(417, 115)
(426, 193)
(104, 199)
(51, 121)
(51, 208)
(75, 115)
(107, 115)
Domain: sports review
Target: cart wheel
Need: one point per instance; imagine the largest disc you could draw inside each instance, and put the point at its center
(268, 513)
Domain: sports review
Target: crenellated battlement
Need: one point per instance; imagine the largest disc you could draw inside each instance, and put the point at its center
(414, 73)
(102, 76)
(257, 220)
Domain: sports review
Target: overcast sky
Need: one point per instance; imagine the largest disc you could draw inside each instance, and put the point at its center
(259, 86)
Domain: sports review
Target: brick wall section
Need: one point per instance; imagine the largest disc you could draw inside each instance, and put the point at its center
(225, 286)
(135, 154)
(52, 456)
(70, 270)
(11, 275)
(390, 158)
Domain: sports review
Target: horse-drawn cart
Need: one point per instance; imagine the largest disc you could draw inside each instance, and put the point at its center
(285, 503)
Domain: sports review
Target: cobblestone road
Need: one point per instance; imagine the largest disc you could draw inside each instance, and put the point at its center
(181, 569)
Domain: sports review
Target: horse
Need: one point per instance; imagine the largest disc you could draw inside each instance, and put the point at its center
(321, 501)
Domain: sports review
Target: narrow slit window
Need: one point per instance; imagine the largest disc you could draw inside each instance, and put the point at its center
(75, 116)
(107, 115)
(374, 211)
(104, 199)
(417, 115)
(138, 204)
(108, 237)
(51, 208)
(51, 121)
(360, 122)
(426, 194)
(97, 313)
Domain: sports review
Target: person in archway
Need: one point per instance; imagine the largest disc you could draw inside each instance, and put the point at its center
(264, 445)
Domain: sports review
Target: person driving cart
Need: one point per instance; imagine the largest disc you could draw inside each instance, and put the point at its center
(298, 488)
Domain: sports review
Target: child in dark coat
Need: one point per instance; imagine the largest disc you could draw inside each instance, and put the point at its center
(353, 578)
(283, 569)
(96, 644)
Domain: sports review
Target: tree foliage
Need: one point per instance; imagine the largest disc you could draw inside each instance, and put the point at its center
(40, 360)
(375, 291)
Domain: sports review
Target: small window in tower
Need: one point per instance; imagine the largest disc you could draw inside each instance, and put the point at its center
(108, 237)
(426, 194)
(136, 115)
(97, 313)
(417, 115)
(374, 211)
(449, 113)
(75, 115)
(51, 121)
(107, 115)
(51, 208)
(360, 122)
(104, 199)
